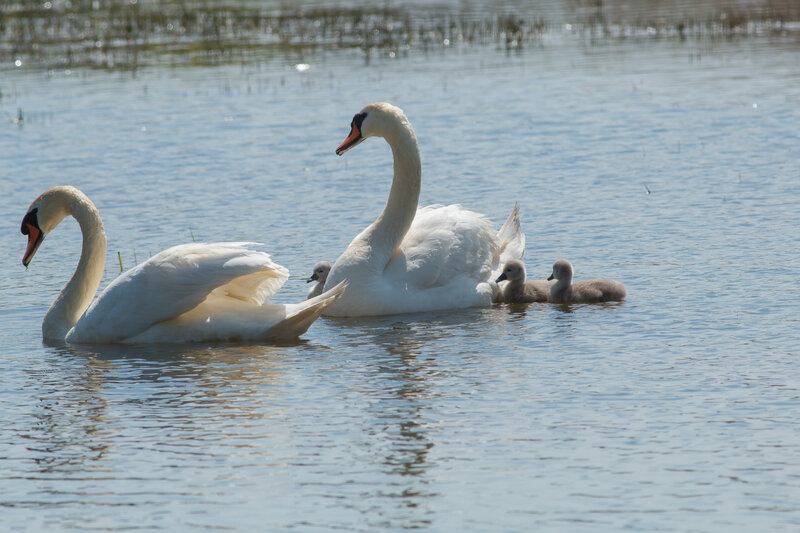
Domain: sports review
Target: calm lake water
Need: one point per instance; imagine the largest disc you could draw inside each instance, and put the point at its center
(669, 165)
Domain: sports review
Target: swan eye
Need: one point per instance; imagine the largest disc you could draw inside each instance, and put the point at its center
(31, 219)
(358, 120)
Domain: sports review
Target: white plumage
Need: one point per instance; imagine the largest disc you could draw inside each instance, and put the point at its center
(409, 259)
(190, 292)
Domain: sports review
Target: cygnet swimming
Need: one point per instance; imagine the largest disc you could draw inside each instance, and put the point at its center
(517, 290)
(584, 291)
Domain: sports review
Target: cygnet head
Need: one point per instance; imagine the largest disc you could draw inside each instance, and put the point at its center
(320, 272)
(562, 270)
(375, 120)
(44, 214)
(513, 270)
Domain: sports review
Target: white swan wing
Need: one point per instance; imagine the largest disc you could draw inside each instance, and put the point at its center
(445, 243)
(226, 319)
(175, 281)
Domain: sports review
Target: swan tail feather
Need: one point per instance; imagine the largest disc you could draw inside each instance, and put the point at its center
(512, 226)
(299, 317)
(511, 241)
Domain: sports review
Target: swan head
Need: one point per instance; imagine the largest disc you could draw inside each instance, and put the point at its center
(44, 214)
(562, 270)
(372, 121)
(320, 272)
(513, 270)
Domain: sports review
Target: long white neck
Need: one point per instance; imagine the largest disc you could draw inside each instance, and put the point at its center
(77, 294)
(386, 233)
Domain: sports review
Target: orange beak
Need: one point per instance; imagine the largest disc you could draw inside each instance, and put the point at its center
(355, 136)
(35, 237)
(352, 139)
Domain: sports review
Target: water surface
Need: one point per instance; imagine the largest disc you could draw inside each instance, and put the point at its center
(670, 165)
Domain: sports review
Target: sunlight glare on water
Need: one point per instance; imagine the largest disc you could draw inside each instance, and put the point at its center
(669, 165)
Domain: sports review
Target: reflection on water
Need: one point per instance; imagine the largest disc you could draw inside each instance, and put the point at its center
(73, 425)
(399, 412)
(69, 427)
(190, 405)
(396, 377)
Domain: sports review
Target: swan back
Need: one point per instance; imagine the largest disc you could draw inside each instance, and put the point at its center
(444, 262)
(443, 243)
(174, 282)
(225, 319)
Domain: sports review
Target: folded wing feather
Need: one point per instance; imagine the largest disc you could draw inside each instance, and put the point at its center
(175, 281)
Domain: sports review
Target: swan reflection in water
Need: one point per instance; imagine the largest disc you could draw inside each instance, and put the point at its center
(398, 400)
(89, 394)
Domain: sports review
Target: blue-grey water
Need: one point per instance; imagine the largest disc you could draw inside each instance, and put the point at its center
(669, 165)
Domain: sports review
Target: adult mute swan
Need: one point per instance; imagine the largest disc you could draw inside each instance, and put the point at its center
(517, 290)
(190, 292)
(408, 260)
(319, 274)
(584, 291)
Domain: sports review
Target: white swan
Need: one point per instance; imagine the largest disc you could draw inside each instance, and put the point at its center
(319, 274)
(584, 291)
(191, 292)
(517, 289)
(408, 260)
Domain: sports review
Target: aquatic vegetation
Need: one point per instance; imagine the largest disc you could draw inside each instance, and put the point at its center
(684, 19)
(131, 33)
(128, 34)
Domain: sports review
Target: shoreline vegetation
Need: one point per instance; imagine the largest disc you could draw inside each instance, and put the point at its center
(130, 34)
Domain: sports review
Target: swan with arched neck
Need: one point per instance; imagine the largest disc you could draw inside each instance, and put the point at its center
(409, 259)
(190, 292)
